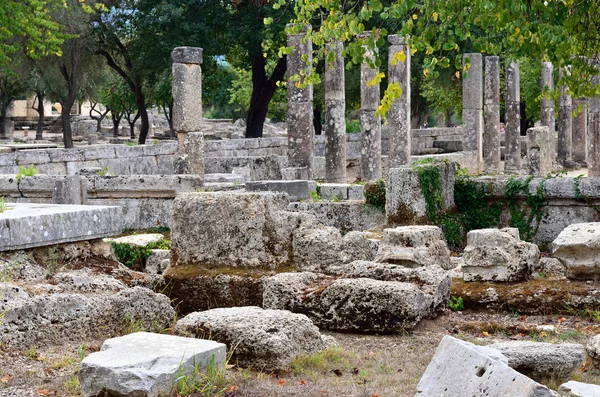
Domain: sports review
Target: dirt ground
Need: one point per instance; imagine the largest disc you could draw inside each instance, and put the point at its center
(361, 366)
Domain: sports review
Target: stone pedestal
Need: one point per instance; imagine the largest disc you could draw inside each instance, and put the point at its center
(370, 123)
(300, 106)
(579, 130)
(593, 133)
(399, 114)
(70, 190)
(547, 114)
(491, 114)
(187, 110)
(473, 104)
(512, 114)
(539, 151)
(335, 123)
(565, 140)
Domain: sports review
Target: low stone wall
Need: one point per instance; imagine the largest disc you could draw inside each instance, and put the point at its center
(146, 200)
(152, 159)
(562, 206)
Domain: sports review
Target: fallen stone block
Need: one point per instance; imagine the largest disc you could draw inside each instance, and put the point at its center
(146, 364)
(543, 361)
(578, 389)
(346, 216)
(460, 368)
(266, 340)
(296, 190)
(498, 255)
(414, 246)
(593, 350)
(578, 248)
(158, 261)
(361, 297)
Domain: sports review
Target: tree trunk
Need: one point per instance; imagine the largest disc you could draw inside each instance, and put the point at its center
(2, 129)
(65, 115)
(263, 90)
(140, 101)
(116, 121)
(39, 131)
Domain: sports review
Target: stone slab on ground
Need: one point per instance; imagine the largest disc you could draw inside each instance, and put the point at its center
(460, 368)
(578, 248)
(266, 340)
(296, 189)
(542, 361)
(578, 389)
(145, 364)
(593, 350)
(35, 225)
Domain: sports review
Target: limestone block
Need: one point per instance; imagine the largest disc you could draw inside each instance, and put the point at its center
(266, 340)
(70, 190)
(578, 248)
(578, 389)
(460, 368)
(158, 261)
(296, 190)
(346, 216)
(190, 155)
(540, 151)
(552, 267)
(498, 255)
(414, 246)
(234, 229)
(145, 364)
(191, 55)
(356, 300)
(138, 240)
(543, 361)
(187, 97)
(405, 202)
(593, 350)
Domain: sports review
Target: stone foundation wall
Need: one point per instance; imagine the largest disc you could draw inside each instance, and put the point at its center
(146, 200)
(562, 206)
(152, 159)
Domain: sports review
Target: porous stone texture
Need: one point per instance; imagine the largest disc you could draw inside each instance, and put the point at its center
(540, 151)
(363, 296)
(414, 246)
(138, 240)
(71, 190)
(370, 123)
(473, 104)
(300, 106)
(266, 340)
(593, 132)
(316, 249)
(35, 225)
(460, 368)
(145, 364)
(399, 134)
(187, 89)
(579, 389)
(405, 202)
(547, 116)
(190, 154)
(498, 255)
(565, 124)
(579, 130)
(552, 267)
(335, 111)
(512, 114)
(234, 229)
(346, 216)
(578, 248)
(491, 115)
(56, 318)
(296, 190)
(158, 261)
(543, 361)
(593, 350)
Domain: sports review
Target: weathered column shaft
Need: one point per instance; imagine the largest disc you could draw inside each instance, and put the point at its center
(300, 103)
(579, 130)
(370, 123)
(539, 153)
(491, 115)
(593, 135)
(399, 135)
(512, 114)
(473, 104)
(565, 140)
(187, 109)
(547, 115)
(335, 123)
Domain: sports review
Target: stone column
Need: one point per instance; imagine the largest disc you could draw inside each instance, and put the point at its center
(335, 111)
(370, 123)
(547, 115)
(473, 105)
(491, 115)
(399, 138)
(512, 114)
(565, 140)
(579, 131)
(187, 110)
(539, 151)
(593, 134)
(300, 104)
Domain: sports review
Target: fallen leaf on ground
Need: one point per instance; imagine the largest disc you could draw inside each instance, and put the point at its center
(562, 319)
(324, 391)
(232, 388)
(484, 334)
(523, 318)
(6, 378)
(543, 334)
(584, 367)
(229, 366)
(281, 382)
(301, 382)
(43, 392)
(374, 395)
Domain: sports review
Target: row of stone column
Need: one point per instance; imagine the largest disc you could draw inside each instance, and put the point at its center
(300, 132)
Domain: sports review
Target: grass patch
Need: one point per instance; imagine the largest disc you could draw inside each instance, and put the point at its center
(29, 170)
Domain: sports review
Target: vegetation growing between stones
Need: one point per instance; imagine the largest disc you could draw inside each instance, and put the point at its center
(29, 170)
(375, 194)
(134, 256)
(212, 382)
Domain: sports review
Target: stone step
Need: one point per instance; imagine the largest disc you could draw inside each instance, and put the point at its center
(232, 178)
